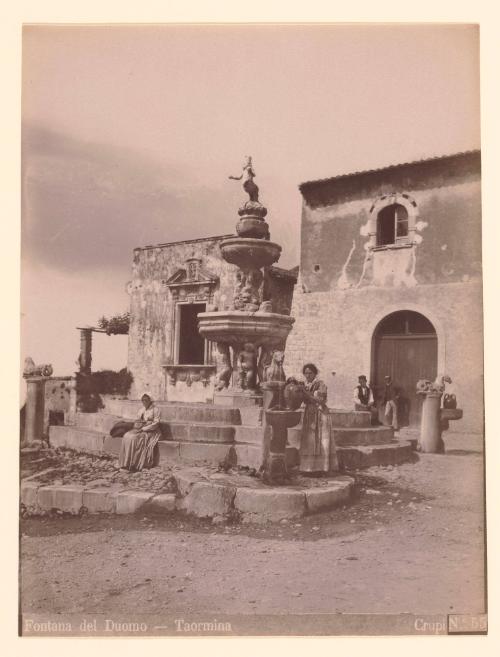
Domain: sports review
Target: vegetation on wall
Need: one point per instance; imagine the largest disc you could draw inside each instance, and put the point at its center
(105, 382)
(116, 325)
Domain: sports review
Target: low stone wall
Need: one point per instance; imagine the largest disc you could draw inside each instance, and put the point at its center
(217, 496)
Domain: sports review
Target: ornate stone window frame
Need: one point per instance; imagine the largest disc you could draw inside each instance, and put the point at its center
(189, 284)
(384, 201)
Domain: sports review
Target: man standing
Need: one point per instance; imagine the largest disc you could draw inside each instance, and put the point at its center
(390, 400)
(363, 398)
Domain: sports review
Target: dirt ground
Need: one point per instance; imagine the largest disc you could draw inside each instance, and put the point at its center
(411, 541)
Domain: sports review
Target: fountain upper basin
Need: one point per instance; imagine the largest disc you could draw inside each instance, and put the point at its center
(250, 252)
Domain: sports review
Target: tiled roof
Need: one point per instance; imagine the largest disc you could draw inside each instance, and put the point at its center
(388, 167)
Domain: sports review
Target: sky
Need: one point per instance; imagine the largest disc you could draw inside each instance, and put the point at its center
(129, 134)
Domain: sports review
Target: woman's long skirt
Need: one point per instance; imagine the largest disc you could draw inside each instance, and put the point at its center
(317, 446)
(138, 450)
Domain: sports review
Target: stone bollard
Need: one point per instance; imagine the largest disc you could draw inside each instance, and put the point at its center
(35, 408)
(430, 428)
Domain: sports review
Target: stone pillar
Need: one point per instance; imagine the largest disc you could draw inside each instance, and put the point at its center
(35, 408)
(430, 428)
(70, 416)
(85, 358)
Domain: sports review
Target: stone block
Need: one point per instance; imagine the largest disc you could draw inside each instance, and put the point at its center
(206, 499)
(185, 480)
(28, 494)
(203, 452)
(348, 419)
(249, 456)
(68, 498)
(292, 457)
(99, 500)
(131, 501)
(251, 415)
(362, 436)
(46, 497)
(273, 504)
(102, 422)
(169, 451)
(174, 431)
(112, 445)
(328, 497)
(171, 412)
(81, 440)
(249, 434)
(210, 433)
(164, 503)
(363, 456)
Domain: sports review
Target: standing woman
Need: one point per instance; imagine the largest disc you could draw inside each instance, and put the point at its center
(138, 445)
(317, 447)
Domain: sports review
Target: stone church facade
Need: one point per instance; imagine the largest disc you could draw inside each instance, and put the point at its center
(389, 283)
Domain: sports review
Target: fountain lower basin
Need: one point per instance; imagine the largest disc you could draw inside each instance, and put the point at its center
(235, 327)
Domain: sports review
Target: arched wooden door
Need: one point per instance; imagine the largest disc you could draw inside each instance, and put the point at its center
(405, 347)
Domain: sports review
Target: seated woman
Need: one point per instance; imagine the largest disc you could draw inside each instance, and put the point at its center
(317, 447)
(138, 445)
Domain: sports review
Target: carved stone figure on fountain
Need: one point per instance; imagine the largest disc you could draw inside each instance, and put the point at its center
(224, 369)
(247, 361)
(274, 381)
(247, 290)
(248, 184)
(274, 371)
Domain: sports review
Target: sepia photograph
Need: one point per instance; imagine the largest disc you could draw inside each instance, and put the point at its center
(252, 348)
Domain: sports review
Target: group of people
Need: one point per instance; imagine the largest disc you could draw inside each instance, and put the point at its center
(317, 448)
(365, 401)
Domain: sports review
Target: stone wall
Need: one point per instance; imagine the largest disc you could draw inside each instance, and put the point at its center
(346, 286)
(58, 397)
(334, 330)
(152, 307)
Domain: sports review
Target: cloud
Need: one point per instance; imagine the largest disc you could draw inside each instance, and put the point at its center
(87, 205)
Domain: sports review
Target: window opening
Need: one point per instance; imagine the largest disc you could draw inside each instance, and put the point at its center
(191, 343)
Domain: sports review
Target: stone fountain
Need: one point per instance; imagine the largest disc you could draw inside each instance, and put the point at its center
(250, 337)
(246, 333)
(435, 419)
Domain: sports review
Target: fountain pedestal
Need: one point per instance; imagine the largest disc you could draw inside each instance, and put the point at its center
(275, 440)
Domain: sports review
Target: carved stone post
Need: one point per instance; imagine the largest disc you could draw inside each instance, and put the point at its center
(85, 358)
(35, 408)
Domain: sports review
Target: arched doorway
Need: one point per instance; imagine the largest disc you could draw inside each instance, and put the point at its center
(405, 346)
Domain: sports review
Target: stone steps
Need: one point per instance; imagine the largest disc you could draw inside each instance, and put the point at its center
(350, 436)
(362, 456)
(211, 413)
(241, 454)
(184, 431)
(349, 419)
(175, 412)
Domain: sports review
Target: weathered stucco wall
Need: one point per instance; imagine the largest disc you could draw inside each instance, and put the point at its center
(334, 237)
(345, 288)
(152, 308)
